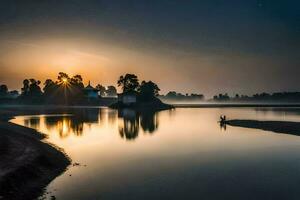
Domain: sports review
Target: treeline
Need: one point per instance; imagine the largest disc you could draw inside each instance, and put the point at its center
(63, 90)
(260, 97)
(5, 94)
(70, 90)
(174, 96)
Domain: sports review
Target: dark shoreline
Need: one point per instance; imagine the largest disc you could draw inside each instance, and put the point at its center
(285, 127)
(27, 164)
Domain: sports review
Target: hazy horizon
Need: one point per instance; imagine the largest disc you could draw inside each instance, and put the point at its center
(206, 47)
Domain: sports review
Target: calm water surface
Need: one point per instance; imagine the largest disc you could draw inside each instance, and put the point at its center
(179, 154)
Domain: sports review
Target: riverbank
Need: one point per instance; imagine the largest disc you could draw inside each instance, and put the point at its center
(27, 164)
(292, 128)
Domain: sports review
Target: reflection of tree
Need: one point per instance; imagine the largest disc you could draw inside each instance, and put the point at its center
(108, 114)
(149, 121)
(112, 116)
(66, 125)
(130, 128)
(33, 122)
(132, 121)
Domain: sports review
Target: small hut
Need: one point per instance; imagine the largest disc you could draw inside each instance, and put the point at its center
(90, 92)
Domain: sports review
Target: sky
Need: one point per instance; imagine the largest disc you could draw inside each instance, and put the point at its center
(207, 46)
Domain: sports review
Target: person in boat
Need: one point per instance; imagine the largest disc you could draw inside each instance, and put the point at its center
(223, 118)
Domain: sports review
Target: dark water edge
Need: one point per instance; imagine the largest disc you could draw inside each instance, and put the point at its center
(25, 175)
(292, 128)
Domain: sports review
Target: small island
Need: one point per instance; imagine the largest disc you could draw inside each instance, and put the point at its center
(139, 96)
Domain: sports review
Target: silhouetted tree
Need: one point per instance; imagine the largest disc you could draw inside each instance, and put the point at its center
(76, 84)
(62, 78)
(171, 94)
(111, 91)
(65, 90)
(148, 90)
(221, 97)
(77, 80)
(34, 88)
(25, 88)
(101, 89)
(129, 82)
(3, 90)
(49, 87)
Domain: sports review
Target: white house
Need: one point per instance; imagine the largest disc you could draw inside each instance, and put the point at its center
(127, 98)
(90, 92)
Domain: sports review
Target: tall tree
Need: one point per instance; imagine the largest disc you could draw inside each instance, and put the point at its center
(111, 91)
(63, 78)
(3, 90)
(49, 87)
(34, 88)
(25, 88)
(148, 90)
(129, 82)
(101, 89)
(77, 81)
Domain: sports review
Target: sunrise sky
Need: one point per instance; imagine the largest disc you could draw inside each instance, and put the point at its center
(207, 46)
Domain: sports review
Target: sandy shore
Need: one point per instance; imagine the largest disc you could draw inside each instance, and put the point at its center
(292, 128)
(27, 164)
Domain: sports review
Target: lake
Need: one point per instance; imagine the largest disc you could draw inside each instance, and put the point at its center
(176, 154)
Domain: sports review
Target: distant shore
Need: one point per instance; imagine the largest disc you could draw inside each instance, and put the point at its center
(235, 105)
(285, 127)
(27, 164)
(49, 107)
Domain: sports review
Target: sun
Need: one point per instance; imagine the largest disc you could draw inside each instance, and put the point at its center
(65, 80)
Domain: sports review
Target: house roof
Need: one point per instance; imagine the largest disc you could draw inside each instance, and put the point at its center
(89, 87)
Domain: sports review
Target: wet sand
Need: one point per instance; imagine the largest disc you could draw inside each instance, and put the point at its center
(27, 164)
(292, 128)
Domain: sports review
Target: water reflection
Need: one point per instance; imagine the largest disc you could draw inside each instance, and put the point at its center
(32, 122)
(132, 121)
(149, 122)
(223, 126)
(128, 121)
(188, 148)
(65, 125)
(72, 124)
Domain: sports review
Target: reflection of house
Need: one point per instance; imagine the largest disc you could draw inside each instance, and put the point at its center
(90, 92)
(127, 98)
(127, 113)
